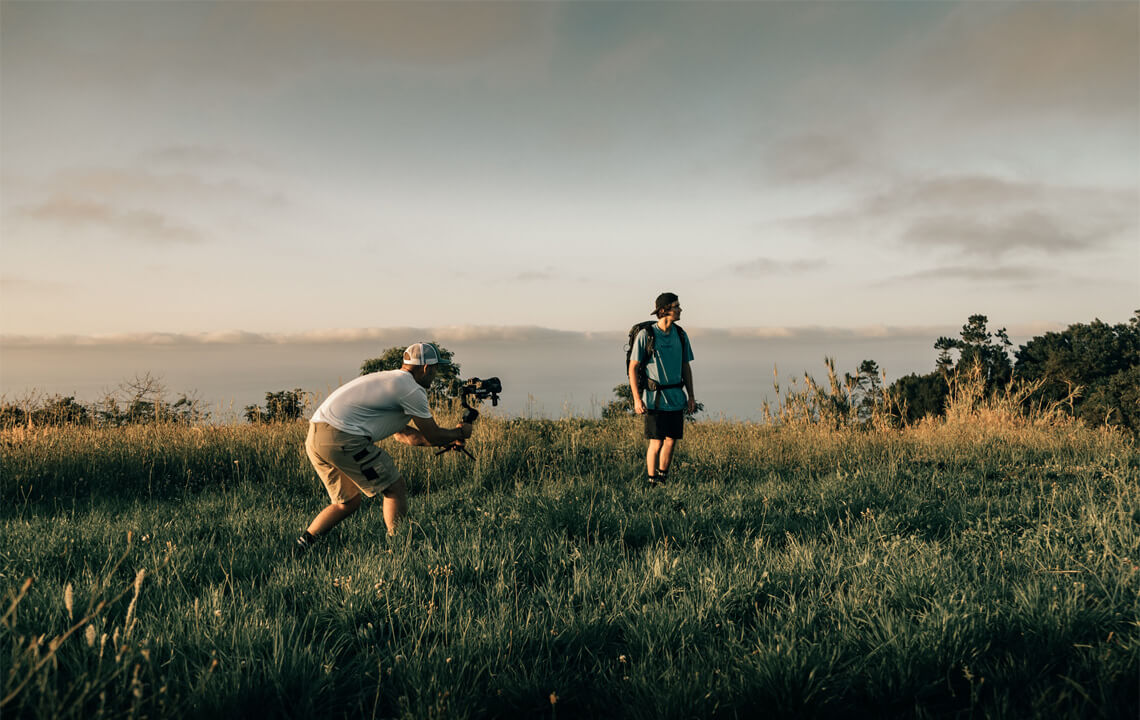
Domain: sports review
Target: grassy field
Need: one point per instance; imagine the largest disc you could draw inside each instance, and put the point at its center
(985, 565)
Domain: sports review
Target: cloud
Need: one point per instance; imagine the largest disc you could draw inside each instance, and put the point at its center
(533, 276)
(630, 59)
(145, 225)
(144, 205)
(143, 47)
(976, 191)
(972, 273)
(814, 157)
(822, 333)
(984, 216)
(204, 157)
(389, 336)
(1034, 230)
(135, 182)
(491, 334)
(766, 267)
(39, 285)
(1078, 57)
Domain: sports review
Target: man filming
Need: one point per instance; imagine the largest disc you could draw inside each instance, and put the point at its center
(344, 429)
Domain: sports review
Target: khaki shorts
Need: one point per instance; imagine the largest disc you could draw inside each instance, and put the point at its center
(348, 464)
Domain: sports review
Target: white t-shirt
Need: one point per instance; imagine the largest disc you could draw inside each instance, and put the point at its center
(374, 405)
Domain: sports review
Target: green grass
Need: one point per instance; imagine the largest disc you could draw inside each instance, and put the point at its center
(954, 569)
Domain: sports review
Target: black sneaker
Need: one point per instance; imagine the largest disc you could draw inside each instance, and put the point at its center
(303, 544)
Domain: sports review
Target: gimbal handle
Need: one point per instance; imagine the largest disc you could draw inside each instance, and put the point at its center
(455, 446)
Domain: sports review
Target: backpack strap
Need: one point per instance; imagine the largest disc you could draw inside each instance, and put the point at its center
(650, 340)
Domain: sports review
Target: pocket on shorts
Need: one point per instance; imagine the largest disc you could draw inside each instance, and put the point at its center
(365, 456)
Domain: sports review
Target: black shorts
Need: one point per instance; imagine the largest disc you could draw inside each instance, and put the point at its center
(661, 424)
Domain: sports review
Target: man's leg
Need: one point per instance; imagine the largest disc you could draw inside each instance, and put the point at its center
(395, 504)
(651, 456)
(666, 455)
(328, 518)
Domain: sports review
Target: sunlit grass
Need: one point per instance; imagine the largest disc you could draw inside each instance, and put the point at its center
(984, 563)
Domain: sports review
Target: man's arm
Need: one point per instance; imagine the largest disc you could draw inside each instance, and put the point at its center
(410, 436)
(638, 405)
(687, 378)
(433, 434)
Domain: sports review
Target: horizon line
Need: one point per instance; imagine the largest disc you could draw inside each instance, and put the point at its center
(488, 333)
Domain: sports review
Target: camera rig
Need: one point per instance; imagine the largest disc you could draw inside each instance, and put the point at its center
(480, 390)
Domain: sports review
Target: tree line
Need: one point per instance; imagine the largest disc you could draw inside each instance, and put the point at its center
(138, 401)
(1091, 370)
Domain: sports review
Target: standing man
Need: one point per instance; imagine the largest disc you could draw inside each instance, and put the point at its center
(662, 384)
(343, 430)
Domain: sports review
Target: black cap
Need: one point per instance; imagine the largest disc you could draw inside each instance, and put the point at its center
(664, 300)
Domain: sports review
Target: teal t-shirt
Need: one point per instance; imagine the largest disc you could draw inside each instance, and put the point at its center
(665, 367)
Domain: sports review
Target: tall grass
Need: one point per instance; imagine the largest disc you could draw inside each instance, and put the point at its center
(982, 564)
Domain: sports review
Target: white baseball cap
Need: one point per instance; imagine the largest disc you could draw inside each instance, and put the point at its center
(423, 353)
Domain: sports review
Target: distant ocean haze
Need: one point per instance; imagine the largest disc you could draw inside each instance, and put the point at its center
(544, 374)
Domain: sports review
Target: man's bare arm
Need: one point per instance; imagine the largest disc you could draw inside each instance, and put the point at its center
(638, 406)
(410, 436)
(687, 378)
(435, 435)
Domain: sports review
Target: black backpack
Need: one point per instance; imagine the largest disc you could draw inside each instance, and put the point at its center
(643, 380)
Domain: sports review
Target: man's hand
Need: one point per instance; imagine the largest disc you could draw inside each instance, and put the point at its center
(638, 406)
(435, 435)
(692, 405)
(460, 444)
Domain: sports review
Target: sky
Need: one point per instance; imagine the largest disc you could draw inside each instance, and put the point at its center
(208, 172)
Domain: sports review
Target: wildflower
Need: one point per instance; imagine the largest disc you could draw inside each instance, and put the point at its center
(69, 601)
(553, 698)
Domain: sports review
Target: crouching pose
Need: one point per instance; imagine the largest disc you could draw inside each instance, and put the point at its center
(344, 429)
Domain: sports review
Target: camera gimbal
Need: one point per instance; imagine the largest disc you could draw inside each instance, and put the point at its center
(480, 390)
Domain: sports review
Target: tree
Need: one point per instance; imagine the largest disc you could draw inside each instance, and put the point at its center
(446, 383)
(280, 406)
(1092, 366)
(143, 402)
(12, 416)
(1114, 401)
(866, 389)
(977, 346)
(623, 405)
(61, 410)
(916, 396)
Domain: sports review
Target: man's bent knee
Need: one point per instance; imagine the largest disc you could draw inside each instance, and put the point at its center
(351, 505)
(397, 489)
